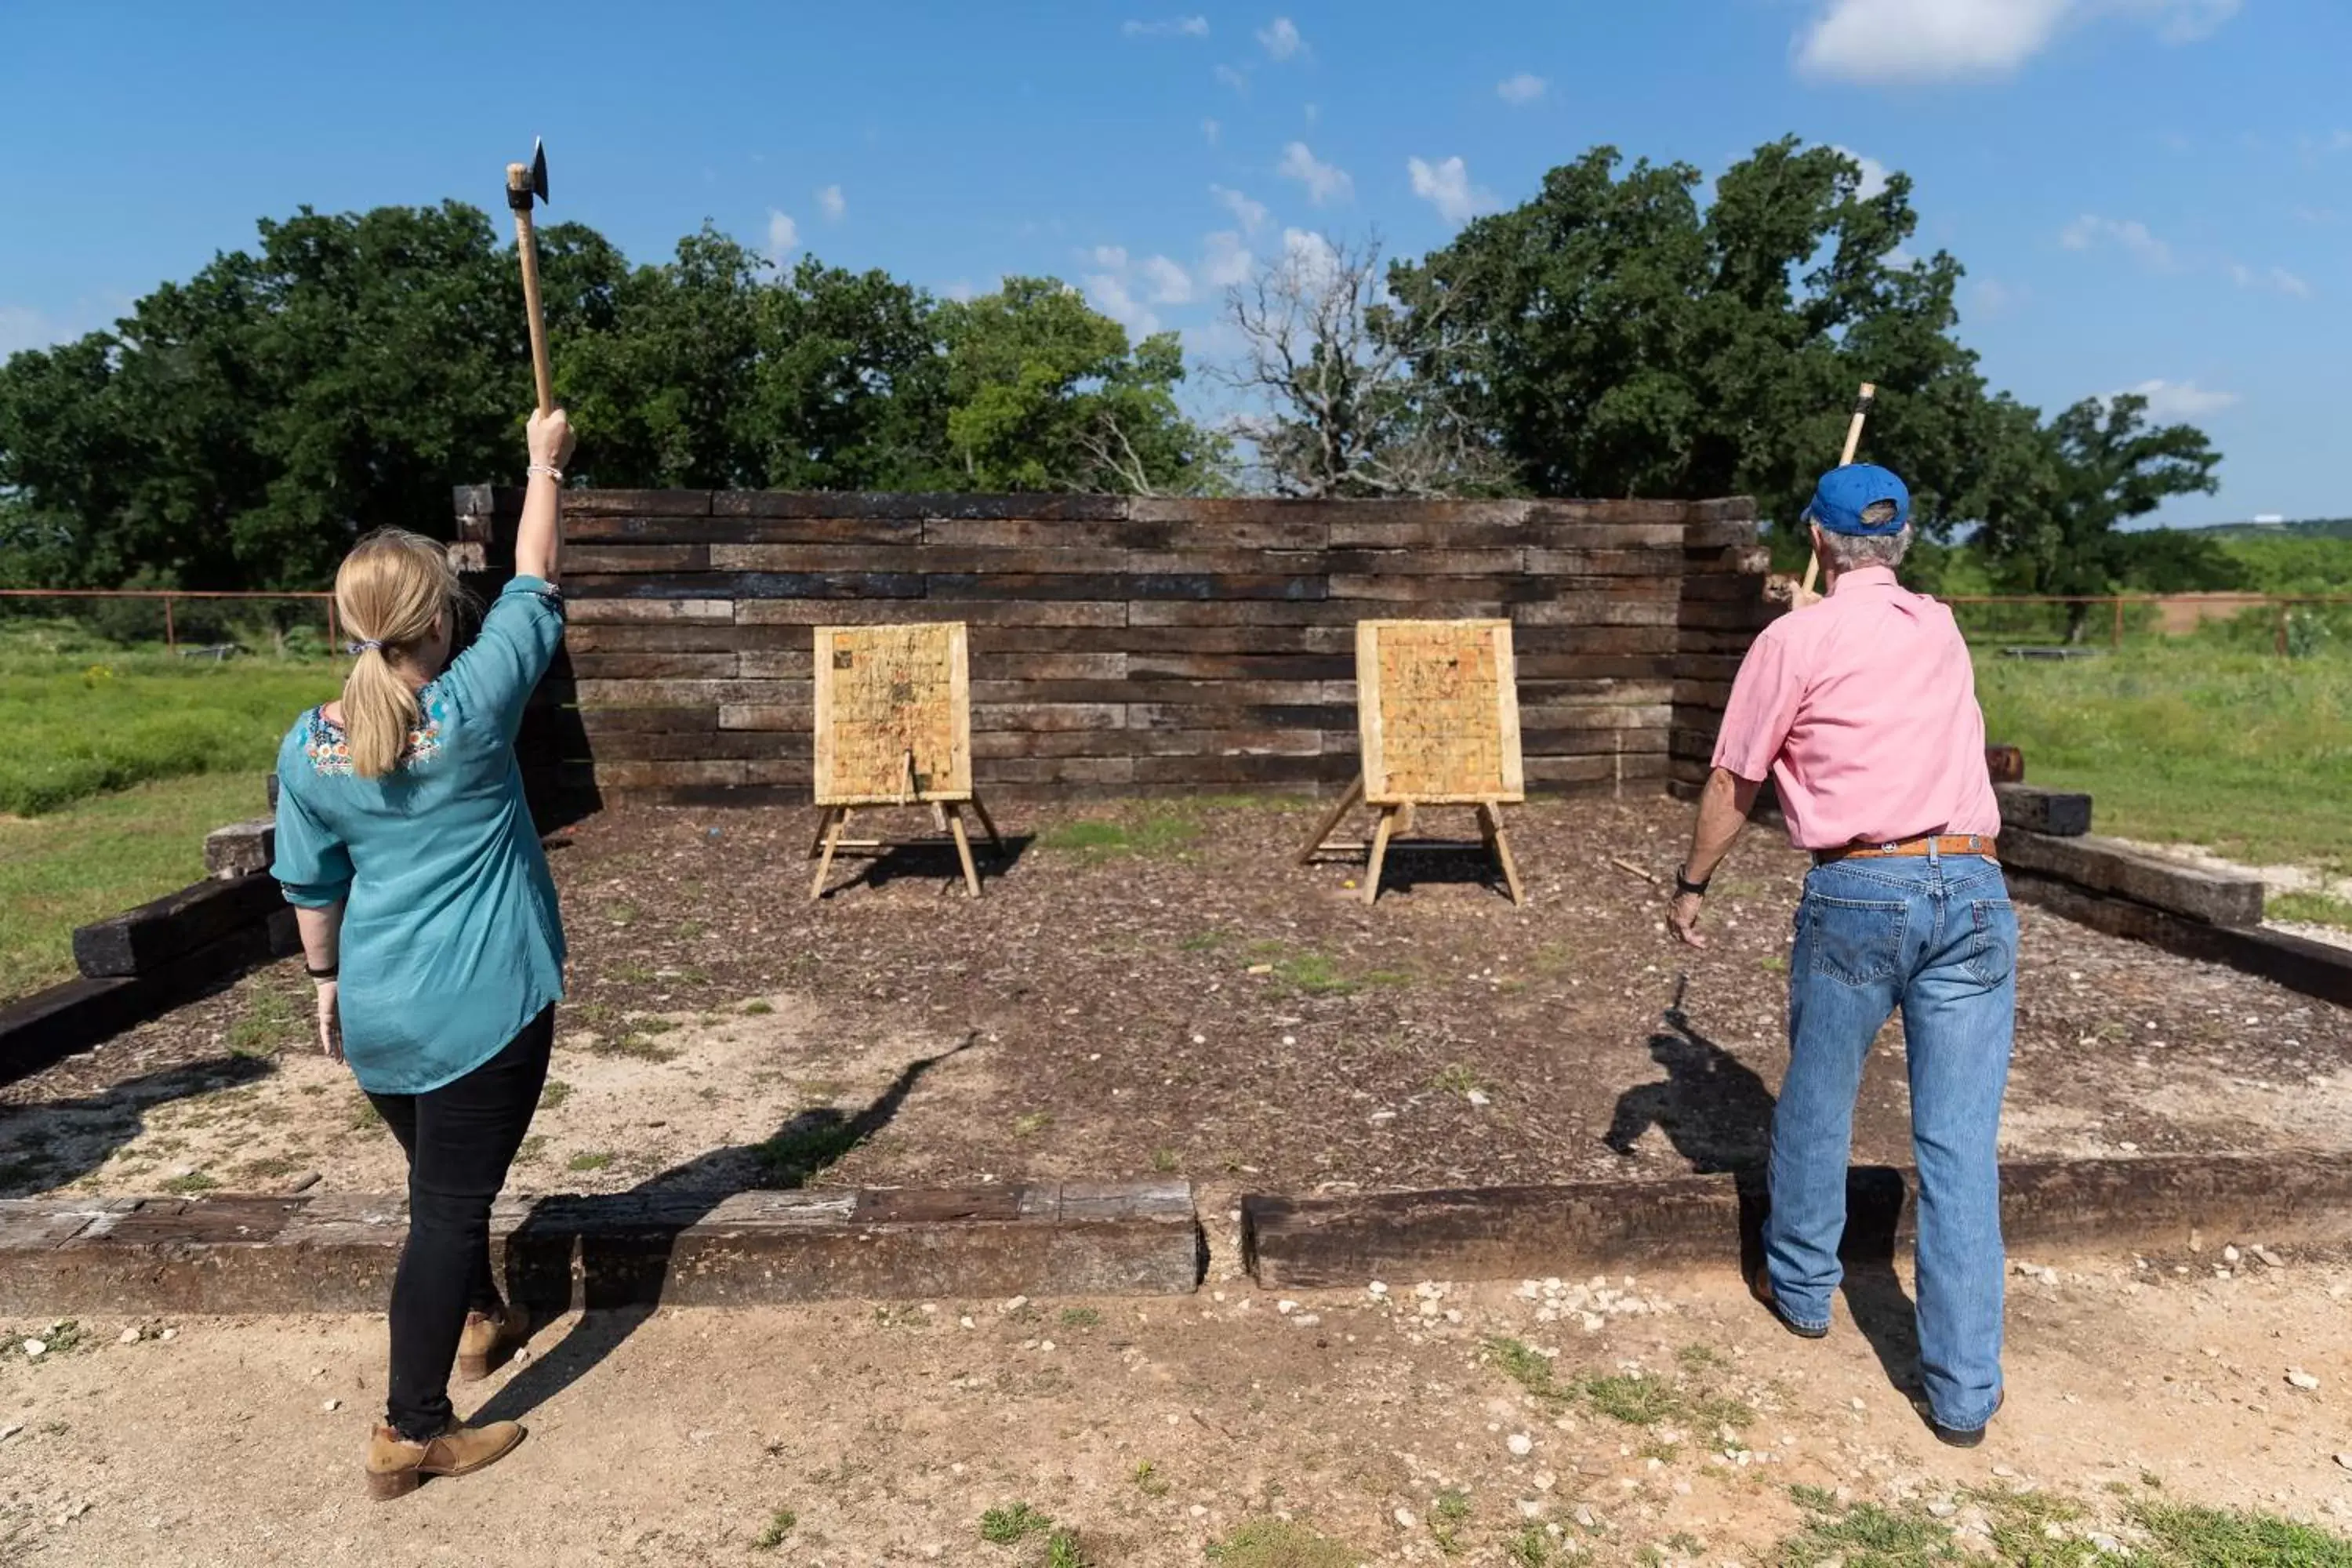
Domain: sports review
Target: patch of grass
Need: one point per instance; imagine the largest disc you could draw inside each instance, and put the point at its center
(758, 1009)
(655, 1026)
(554, 1094)
(795, 1155)
(1456, 1078)
(1013, 1522)
(2241, 751)
(1029, 1123)
(1636, 1401)
(1206, 942)
(2310, 909)
(1281, 1543)
(1151, 1482)
(100, 857)
(91, 722)
(1447, 1516)
(266, 1026)
(1649, 1401)
(1063, 1550)
(1530, 1548)
(1161, 832)
(1524, 1365)
(272, 1168)
(588, 1161)
(633, 974)
(61, 1337)
(635, 1044)
(194, 1182)
(1866, 1535)
(1164, 1161)
(1080, 1318)
(2199, 1537)
(622, 913)
(772, 1535)
(364, 1114)
(530, 1149)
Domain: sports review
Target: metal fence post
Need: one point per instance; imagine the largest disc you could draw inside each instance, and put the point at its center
(171, 642)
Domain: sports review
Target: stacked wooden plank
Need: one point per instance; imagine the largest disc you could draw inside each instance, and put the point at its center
(1120, 644)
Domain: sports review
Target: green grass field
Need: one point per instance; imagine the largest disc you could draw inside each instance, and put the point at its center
(2248, 754)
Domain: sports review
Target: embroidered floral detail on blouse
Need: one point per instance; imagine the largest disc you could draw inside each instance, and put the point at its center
(329, 750)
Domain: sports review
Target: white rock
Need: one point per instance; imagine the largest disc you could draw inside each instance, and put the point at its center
(1199, 1513)
(1943, 1509)
(128, 1337)
(1285, 1308)
(16, 1426)
(1016, 1304)
(1519, 1443)
(966, 1323)
(1452, 1315)
(168, 1333)
(1377, 1289)
(36, 1347)
(1531, 1509)
(1307, 1320)
(330, 1406)
(1584, 1518)
(2343, 1458)
(2303, 1380)
(1479, 1097)
(2270, 1259)
(1045, 1347)
(1405, 1520)
(2230, 1256)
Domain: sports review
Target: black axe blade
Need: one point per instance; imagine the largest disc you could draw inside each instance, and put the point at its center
(539, 168)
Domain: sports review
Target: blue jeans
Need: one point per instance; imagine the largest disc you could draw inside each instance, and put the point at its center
(1937, 938)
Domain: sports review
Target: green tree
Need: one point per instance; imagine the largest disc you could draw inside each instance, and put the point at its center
(1045, 394)
(1619, 339)
(2049, 527)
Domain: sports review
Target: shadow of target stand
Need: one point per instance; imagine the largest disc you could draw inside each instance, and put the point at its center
(894, 729)
(1437, 708)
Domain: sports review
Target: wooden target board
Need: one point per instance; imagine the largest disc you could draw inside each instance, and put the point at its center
(893, 715)
(1438, 708)
(1437, 705)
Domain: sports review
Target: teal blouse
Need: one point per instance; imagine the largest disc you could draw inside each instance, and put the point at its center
(451, 938)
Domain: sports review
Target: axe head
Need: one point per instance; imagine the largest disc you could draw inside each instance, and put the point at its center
(539, 168)
(528, 182)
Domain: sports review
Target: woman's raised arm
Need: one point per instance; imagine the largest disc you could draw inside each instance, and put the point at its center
(539, 541)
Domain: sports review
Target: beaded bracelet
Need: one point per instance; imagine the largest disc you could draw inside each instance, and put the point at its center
(549, 470)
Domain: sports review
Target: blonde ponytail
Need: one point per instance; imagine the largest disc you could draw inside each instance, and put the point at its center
(390, 591)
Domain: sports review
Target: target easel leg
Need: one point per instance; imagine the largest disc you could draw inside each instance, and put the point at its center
(1379, 853)
(835, 822)
(1490, 824)
(1332, 818)
(963, 848)
(988, 826)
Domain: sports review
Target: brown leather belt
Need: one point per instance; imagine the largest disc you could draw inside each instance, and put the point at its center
(1936, 843)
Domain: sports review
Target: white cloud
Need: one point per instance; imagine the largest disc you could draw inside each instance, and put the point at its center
(1325, 182)
(1171, 284)
(783, 237)
(2181, 399)
(1447, 186)
(1311, 258)
(1878, 41)
(1252, 215)
(1994, 299)
(1281, 38)
(1112, 255)
(1523, 89)
(1109, 295)
(1233, 79)
(2090, 230)
(833, 203)
(1212, 129)
(1873, 172)
(1227, 261)
(1173, 27)
(2274, 277)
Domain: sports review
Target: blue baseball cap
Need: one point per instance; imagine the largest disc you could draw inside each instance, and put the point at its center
(1844, 494)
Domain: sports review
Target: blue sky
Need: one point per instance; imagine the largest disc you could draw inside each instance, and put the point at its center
(2148, 193)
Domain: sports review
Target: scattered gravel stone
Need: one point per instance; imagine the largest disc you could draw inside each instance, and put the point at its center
(128, 1337)
(1519, 1443)
(2303, 1380)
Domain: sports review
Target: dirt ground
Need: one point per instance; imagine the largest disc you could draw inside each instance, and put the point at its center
(1155, 988)
(1656, 1420)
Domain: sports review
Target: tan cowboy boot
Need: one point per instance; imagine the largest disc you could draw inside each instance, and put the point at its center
(396, 1466)
(487, 1340)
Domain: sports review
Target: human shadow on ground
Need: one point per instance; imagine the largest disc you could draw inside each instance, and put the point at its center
(54, 1144)
(625, 1241)
(1718, 1113)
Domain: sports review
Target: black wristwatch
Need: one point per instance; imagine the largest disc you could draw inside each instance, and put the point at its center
(1685, 887)
(322, 975)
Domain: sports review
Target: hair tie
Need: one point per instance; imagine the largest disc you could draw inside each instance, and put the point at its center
(372, 643)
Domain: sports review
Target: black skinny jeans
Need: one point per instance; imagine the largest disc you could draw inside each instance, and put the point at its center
(460, 1138)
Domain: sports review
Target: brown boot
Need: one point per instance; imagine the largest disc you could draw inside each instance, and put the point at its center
(396, 1466)
(488, 1339)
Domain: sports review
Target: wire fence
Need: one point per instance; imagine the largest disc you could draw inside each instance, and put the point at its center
(2287, 625)
(189, 623)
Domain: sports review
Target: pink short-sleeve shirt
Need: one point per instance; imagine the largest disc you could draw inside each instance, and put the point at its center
(1863, 709)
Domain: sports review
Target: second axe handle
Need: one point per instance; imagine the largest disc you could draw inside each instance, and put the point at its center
(1853, 445)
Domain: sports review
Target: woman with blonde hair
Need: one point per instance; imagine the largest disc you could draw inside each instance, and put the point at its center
(429, 924)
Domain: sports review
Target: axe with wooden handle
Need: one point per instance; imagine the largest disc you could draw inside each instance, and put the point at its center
(526, 184)
(1853, 443)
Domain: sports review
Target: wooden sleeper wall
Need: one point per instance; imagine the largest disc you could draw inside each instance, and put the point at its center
(1120, 645)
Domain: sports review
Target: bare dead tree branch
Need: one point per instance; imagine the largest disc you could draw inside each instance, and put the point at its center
(1346, 396)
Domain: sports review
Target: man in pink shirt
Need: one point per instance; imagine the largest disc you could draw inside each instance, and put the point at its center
(1861, 707)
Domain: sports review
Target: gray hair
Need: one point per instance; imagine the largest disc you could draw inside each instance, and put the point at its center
(1852, 551)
